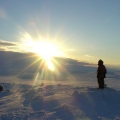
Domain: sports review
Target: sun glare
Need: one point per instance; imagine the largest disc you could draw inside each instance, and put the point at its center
(44, 49)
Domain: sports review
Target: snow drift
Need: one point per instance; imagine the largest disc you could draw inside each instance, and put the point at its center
(62, 102)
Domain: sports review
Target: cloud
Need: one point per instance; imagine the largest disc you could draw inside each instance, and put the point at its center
(2, 13)
(25, 66)
(16, 62)
(88, 56)
(6, 43)
(8, 46)
(3, 49)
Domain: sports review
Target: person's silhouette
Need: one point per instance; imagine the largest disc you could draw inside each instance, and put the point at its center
(101, 74)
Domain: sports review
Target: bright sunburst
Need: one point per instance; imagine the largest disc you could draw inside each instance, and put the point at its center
(45, 49)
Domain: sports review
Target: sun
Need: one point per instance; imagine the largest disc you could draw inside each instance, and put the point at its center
(44, 48)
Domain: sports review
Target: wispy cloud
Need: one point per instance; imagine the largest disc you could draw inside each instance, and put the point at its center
(6, 43)
(2, 13)
(89, 56)
(3, 49)
(8, 46)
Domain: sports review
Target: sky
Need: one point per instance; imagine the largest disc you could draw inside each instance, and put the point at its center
(85, 30)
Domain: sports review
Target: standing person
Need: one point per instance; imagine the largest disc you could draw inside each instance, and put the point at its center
(101, 74)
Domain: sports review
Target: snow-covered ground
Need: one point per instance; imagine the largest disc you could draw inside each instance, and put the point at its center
(78, 98)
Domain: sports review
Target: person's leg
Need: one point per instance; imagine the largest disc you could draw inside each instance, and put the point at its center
(98, 82)
(101, 83)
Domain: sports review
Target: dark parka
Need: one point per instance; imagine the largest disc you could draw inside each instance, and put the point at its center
(101, 71)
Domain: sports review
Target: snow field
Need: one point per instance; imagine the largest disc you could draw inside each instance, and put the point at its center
(58, 102)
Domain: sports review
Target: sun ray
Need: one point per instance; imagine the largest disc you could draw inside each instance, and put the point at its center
(49, 67)
(50, 64)
(28, 67)
(61, 69)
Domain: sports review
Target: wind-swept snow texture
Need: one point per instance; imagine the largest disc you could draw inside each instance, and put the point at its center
(58, 102)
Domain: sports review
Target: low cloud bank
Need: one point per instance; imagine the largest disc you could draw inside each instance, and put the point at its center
(26, 65)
